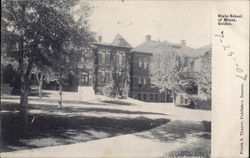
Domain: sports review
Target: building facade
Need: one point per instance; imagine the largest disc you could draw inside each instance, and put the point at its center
(107, 63)
(127, 68)
(141, 86)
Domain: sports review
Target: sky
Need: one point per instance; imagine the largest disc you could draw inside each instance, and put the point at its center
(163, 20)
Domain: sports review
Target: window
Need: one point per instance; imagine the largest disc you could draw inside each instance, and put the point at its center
(156, 96)
(123, 59)
(145, 81)
(119, 72)
(120, 59)
(103, 58)
(144, 97)
(145, 64)
(86, 79)
(103, 77)
(139, 82)
(83, 78)
(151, 97)
(140, 64)
(107, 58)
(139, 96)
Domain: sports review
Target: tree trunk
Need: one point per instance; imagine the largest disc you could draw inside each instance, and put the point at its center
(23, 111)
(24, 87)
(174, 97)
(166, 95)
(60, 95)
(40, 88)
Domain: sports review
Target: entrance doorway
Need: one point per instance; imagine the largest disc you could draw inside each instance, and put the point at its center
(84, 79)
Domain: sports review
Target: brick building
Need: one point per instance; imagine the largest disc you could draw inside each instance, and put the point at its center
(127, 67)
(141, 87)
(105, 63)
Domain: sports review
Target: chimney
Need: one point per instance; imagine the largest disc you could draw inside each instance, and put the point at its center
(148, 38)
(99, 38)
(183, 42)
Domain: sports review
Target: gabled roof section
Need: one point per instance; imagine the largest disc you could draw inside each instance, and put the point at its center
(146, 47)
(120, 41)
(155, 47)
(165, 46)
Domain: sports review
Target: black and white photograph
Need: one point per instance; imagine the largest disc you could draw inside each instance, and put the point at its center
(106, 78)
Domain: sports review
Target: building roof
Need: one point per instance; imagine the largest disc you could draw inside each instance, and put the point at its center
(119, 41)
(102, 43)
(146, 47)
(165, 46)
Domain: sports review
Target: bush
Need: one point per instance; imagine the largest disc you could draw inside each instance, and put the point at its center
(200, 102)
(109, 90)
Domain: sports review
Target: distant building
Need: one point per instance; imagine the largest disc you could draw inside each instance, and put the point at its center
(128, 68)
(141, 86)
(106, 62)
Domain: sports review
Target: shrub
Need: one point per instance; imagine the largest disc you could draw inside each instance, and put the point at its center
(109, 90)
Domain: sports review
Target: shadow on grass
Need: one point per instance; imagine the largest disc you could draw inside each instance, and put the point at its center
(54, 108)
(175, 130)
(195, 107)
(118, 102)
(66, 101)
(55, 101)
(51, 130)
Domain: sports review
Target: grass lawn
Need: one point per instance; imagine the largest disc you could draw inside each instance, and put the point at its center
(52, 126)
(188, 133)
(196, 135)
(200, 148)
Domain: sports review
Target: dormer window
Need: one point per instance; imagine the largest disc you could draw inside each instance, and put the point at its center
(140, 64)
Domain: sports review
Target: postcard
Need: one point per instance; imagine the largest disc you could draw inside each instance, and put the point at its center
(124, 79)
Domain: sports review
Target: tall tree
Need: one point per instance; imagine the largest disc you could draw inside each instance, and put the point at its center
(204, 76)
(166, 68)
(29, 25)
